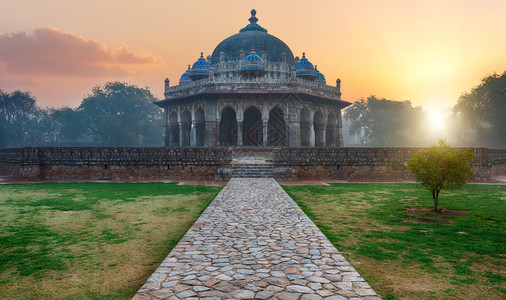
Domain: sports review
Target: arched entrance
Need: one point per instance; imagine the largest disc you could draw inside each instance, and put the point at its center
(330, 137)
(173, 130)
(276, 135)
(319, 129)
(186, 121)
(200, 123)
(305, 128)
(252, 127)
(228, 127)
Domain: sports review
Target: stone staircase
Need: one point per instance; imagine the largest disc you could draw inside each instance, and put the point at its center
(252, 170)
(252, 166)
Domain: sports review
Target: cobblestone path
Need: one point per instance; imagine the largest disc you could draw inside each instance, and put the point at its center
(254, 242)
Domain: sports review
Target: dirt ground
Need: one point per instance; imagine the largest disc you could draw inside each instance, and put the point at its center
(501, 180)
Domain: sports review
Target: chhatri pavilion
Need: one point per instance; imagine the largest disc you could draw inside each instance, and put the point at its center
(252, 92)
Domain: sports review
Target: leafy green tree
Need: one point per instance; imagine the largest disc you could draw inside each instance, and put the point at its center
(382, 122)
(119, 114)
(20, 115)
(483, 111)
(68, 124)
(440, 168)
(3, 133)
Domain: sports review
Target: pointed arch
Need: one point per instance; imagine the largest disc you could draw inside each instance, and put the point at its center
(185, 127)
(305, 127)
(252, 133)
(200, 123)
(228, 127)
(276, 128)
(330, 135)
(173, 129)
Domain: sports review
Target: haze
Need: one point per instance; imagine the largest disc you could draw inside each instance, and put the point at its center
(429, 52)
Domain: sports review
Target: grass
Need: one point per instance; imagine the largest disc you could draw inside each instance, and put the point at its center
(90, 240)
(390, 234)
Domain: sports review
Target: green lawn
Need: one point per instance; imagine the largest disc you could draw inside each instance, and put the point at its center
(390, 234)
(90, 240)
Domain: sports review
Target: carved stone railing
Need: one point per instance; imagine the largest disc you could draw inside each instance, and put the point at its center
(262, 83)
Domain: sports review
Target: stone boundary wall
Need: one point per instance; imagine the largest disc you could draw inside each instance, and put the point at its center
(369, 164)
(180, 163)
(113, 163)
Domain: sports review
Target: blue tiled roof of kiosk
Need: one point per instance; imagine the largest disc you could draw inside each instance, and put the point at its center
(185, 78)
(201, 66)
(320, 78)
(253, 62)
(304, 67)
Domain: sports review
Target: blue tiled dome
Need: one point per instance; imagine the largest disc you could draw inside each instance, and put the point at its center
(200, 68)
(253, 65)
(253, 62)
(304, 69)
(320, 78)
(185, 78)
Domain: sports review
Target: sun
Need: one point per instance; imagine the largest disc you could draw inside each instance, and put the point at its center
(437, 120)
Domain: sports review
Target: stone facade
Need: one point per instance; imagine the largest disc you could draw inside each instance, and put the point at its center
(236, 98)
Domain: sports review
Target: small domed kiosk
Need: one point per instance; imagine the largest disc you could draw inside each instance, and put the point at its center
(252, 92)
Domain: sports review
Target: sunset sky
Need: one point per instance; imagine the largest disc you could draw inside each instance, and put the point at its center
(429, 51)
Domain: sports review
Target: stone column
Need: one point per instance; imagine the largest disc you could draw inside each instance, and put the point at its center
(181, 134)
(210, 135)
(193, 130)
(339, 132)
(293, 134)
(324, 135)
(265, 132)
(167, 136)
(239, 134)
(311, 134)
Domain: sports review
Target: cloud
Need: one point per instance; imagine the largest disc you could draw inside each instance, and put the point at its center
(48, 51)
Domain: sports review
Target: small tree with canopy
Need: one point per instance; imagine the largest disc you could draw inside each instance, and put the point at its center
(440, 168)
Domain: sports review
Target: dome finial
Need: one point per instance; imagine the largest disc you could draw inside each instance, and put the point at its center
(253, 19)
(253, 23)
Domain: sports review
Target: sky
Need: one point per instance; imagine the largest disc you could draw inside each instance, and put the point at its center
(427, 51)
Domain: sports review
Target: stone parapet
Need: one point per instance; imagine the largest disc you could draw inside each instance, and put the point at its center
(263, 83)
(113, 163)
(181, 163)
(371, 164)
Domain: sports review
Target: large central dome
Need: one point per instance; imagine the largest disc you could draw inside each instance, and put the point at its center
(253, 36)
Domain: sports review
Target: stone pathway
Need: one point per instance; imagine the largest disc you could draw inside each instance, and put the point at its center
(254, 242)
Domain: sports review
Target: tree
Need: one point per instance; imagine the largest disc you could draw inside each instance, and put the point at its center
(382, 122)
(20, 114)
(119, 114)
(441, 167)
(483, 111)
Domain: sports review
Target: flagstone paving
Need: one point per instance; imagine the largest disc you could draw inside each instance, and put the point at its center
(254, 242)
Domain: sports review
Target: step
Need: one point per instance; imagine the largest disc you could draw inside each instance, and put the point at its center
(254, 170)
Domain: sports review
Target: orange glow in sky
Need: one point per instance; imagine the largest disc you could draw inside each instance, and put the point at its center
(427, 51)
